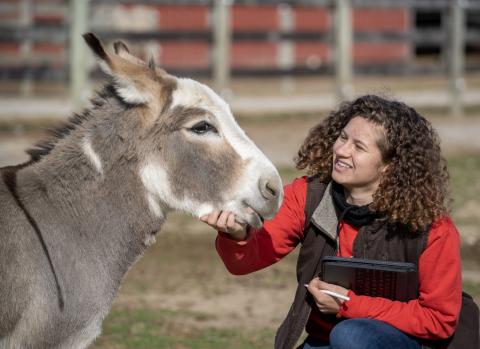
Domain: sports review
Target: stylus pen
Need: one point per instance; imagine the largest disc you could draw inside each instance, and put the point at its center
(334, 294)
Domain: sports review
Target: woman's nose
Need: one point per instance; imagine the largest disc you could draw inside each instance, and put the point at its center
(343, 150)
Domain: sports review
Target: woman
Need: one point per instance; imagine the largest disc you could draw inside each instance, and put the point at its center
(380, 189)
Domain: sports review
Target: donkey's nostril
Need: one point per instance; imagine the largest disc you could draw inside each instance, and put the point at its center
(268, 188)
(272, 191)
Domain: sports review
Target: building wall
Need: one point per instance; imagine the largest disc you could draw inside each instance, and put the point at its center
(248, 21)
(257, 54)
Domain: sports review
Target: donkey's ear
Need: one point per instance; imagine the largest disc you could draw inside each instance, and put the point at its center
(120, 47)
(122, 50)
(151, 64)
(129, 75)
(96, 46)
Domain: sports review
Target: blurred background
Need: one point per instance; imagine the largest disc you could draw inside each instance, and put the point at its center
(282, 65)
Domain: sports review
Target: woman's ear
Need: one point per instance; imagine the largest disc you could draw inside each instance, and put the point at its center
(385, 168)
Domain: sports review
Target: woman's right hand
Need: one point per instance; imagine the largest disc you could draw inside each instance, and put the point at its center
(225, 222)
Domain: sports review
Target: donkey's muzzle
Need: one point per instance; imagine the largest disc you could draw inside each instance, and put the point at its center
(271, 191)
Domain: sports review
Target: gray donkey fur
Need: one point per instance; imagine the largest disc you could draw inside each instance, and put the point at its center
(72, 224)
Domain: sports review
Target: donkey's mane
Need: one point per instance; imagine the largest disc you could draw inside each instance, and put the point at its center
(44, 147)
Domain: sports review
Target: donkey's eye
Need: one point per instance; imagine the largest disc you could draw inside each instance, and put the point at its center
(203, 127)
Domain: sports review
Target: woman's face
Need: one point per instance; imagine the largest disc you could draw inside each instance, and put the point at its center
(357, 161)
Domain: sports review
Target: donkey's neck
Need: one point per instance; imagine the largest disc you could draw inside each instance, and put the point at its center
(93, 236)
(90, 210)
(104, 213)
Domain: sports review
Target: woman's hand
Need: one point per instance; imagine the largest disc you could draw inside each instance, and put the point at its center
(224, 221)
(325, 303)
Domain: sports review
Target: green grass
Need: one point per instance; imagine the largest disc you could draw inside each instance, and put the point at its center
(472, 288)
(289, 173)
(464, 170)
(164, 329)
(465, 187)
(465, 178)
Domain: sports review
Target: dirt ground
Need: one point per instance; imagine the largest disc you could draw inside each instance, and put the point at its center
(182, 272)
(199, 282)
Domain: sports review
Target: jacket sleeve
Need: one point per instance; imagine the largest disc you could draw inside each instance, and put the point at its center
(273, 241)
(434, 315)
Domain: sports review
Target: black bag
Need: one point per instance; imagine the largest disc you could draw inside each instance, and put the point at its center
(467, 335)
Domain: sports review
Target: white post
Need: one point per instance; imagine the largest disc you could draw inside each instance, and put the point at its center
(26, 46)
(79, 11)
(221, 51)
(456, 57)
(286, 48)
(343, 49)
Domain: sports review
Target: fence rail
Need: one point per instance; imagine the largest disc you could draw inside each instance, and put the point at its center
(451, 37)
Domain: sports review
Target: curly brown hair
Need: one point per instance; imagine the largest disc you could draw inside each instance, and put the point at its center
(414, 189)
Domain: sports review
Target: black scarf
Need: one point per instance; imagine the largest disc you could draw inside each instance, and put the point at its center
(352, 214)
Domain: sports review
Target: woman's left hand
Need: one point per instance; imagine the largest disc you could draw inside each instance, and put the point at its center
(325, 303)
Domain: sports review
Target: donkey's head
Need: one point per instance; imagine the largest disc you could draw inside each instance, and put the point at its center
(193, 156)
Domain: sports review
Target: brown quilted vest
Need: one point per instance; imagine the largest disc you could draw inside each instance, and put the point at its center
(378, 240)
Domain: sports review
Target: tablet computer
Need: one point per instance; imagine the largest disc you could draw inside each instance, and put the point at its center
(392, 280)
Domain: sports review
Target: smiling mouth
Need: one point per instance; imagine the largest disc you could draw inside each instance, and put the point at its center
(342, 164)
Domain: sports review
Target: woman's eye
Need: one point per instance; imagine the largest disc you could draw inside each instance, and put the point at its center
(203, 127)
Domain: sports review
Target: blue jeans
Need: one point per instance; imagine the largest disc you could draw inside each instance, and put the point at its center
(363, 334)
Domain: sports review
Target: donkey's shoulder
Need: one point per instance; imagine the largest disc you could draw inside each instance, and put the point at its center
(14, 285)
(9, 207)
(7, 189)
(17, 236)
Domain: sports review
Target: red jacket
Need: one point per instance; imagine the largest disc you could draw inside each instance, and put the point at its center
(434, 315)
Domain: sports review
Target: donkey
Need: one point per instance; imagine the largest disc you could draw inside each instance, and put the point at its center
(90, 200)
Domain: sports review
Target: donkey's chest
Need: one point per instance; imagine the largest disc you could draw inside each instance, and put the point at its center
(83, 336)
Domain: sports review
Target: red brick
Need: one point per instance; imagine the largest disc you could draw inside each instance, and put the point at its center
(184, 54)
(254, 55)
(9, 48)
(49, 48)
(9, 15)
(307, 51)
(379, 52)
(178, 17)
(52, 19)
(254, 18)
(393, 20)
(312, 19)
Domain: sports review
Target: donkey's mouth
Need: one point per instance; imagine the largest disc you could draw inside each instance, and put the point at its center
(251, 217)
